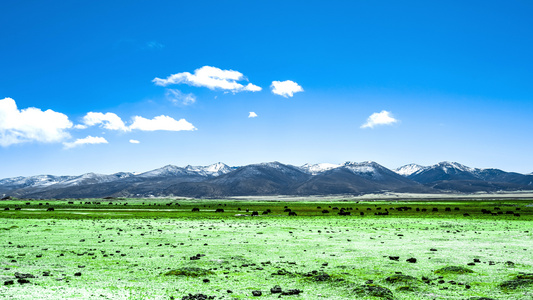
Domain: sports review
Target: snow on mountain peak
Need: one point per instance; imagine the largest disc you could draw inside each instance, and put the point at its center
(318, 168)
(366, 168)
(163, 171)
(446, 165)
(216, 169)
(409, 169)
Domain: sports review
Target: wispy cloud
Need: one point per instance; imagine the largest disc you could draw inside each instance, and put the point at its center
(252, 115)
(179, 98)
(161, 123)
(30, 124)
(210, 77)
(285, 88)
(382, 118)
(133, 44)
(135, 142)
(154, 45)
(88, 140)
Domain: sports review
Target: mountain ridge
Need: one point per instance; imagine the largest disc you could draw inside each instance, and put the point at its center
(270, 178)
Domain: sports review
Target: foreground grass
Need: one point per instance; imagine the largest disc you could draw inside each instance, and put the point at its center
(158, 251)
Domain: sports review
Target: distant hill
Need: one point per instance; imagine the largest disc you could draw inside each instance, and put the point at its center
(274, 178)
(452, 176)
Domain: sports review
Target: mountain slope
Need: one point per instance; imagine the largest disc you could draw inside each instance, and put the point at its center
(451, 176)
(358, 178)
(259, 179)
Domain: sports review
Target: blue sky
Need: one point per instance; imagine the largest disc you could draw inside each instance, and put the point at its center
(92, 85)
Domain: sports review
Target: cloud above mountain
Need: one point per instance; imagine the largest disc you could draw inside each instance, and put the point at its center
(108, 121)
(382, 118)
(161, 123)
(285, 88)
(31, 124)
(210, 77)
(88, 140)
(111, 121)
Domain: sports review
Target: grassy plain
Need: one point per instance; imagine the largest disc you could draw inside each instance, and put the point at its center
(159, 249)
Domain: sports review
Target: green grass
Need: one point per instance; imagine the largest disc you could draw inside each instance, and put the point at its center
(126, 251)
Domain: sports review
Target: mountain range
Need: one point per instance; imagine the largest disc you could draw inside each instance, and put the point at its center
(274, 178)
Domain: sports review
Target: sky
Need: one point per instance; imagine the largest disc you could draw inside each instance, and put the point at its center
(110, 86)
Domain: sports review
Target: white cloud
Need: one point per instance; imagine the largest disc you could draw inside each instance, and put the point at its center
(88, 140)
(252, 88)
(382, 118)
(210, 77)
(108, 121)
(252, 115)
(113, 122)
(160, 123)
(285, 88)
(177, 97)
(135, 142)
(30, 124)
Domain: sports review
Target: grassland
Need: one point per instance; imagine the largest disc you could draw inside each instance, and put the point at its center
(160, 249)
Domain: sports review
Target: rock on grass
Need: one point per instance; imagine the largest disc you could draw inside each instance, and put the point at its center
(374, 290)
(516, 284)
(197, 297)
(453, 270)
(401, 279)
(189, 272)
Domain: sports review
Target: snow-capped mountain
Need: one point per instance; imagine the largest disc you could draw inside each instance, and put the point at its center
(168, 170)
(272, 178)
(314, 169)
(39, 180)
(409, 169)
(457, 177)
(93, 178)
(367, 169)
(211, 170)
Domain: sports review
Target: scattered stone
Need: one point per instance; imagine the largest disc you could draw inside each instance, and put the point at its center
(197, 297)
(9, 282)
(291, 292)
(453, 270)
(396, 258)
(276, 289)
(522, 280)
(411, 260)
(23, 280)
(205, 280)
(282, 272)
(189, 272)
(399, 278)
(77, 274)
(374, 290)
(21, 275)
(257, 293)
